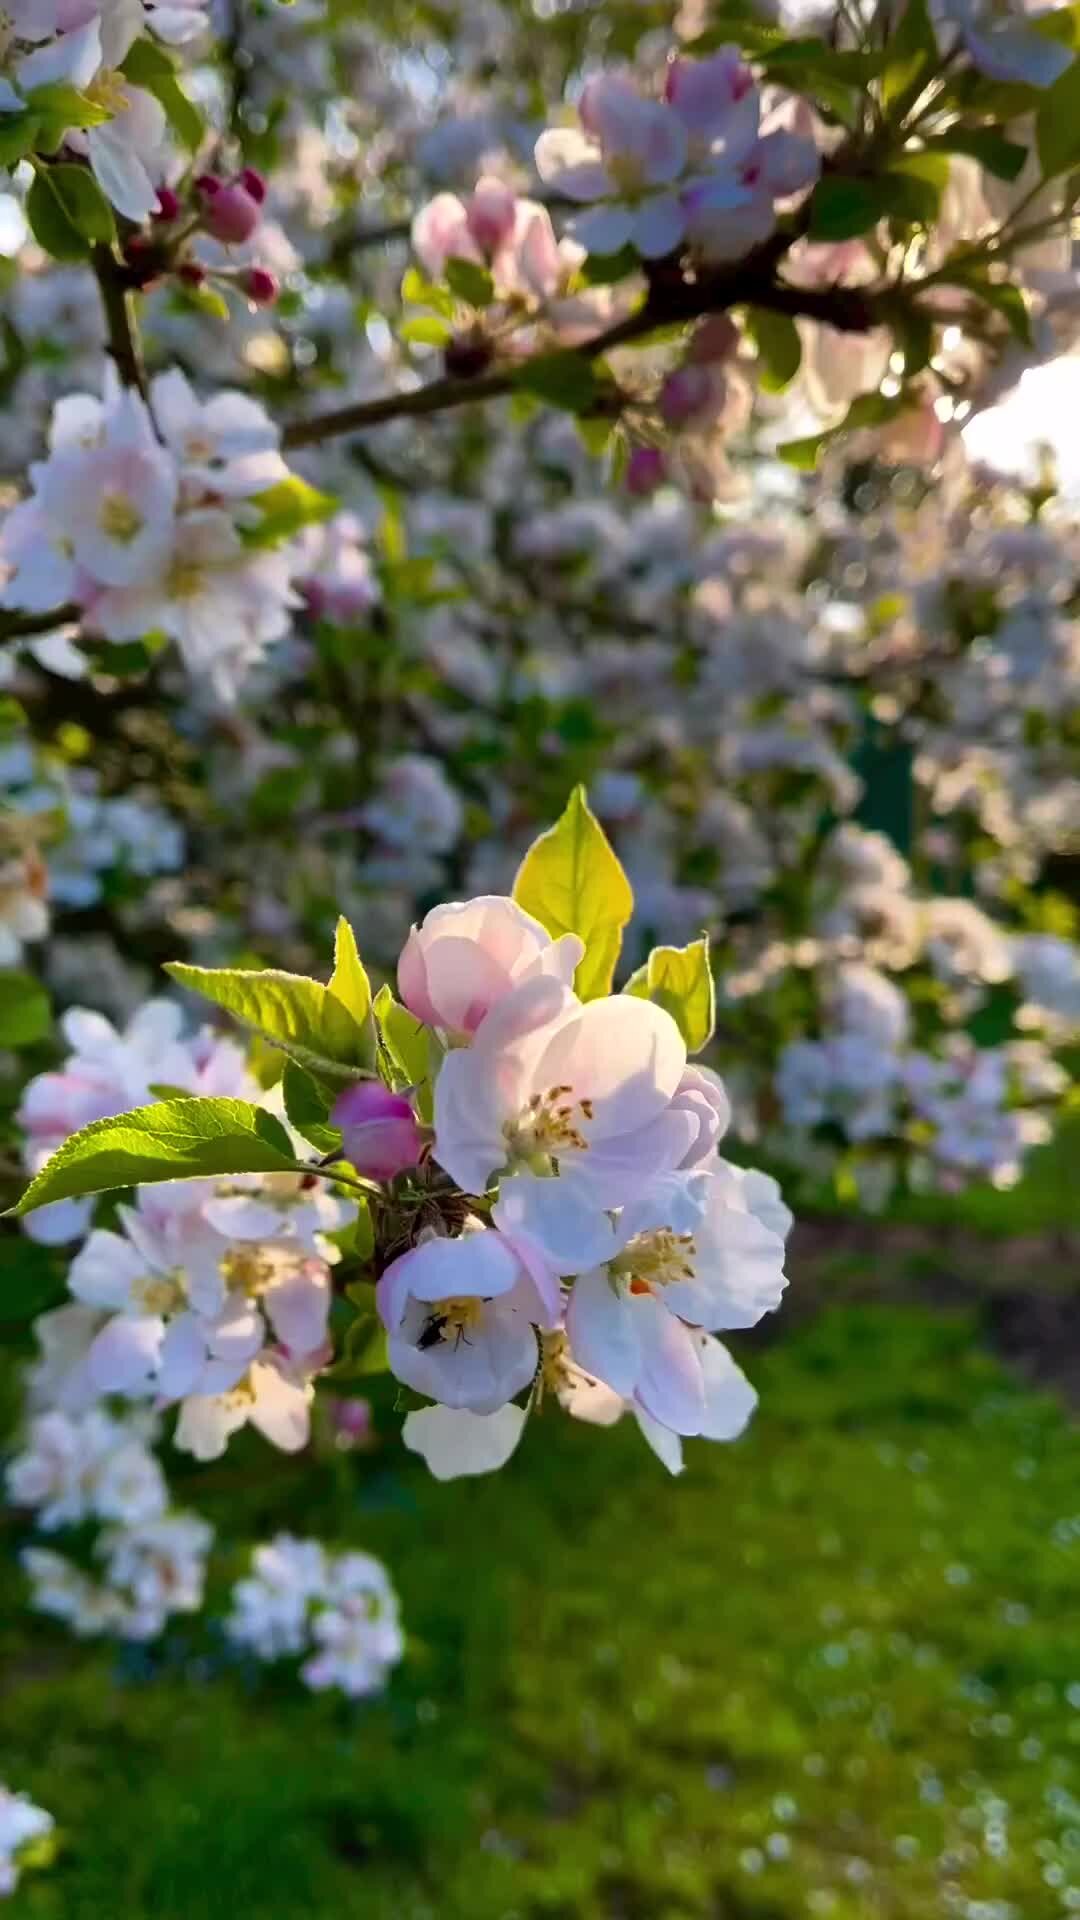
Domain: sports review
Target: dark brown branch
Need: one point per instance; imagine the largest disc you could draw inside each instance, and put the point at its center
(121, 328)
(670, 301)
(23, 626)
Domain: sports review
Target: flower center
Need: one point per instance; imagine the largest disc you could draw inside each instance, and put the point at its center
(109, 90)
(161, 1293)
(547, 1127)
(248, 1270)
(656, 1259)
(450, 1322)
(118, 516)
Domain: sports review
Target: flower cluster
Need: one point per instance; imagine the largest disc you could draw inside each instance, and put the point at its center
(694, 167)
(80, 45)
(24, 1828)
(339, 1610)
(148, 1560)
(215, 1298)
(146, 517)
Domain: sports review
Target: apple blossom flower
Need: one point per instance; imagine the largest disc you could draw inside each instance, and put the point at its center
(22, 1825)
(454, 1442)
(460, 1316)
(339, 1608)
(691, 1256)
(623, 163)
(272, 1395)
(467, 955)
(571, 1105)
(497, 229)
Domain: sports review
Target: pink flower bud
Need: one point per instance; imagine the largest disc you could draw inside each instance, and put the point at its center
(715, 340)
(379, 1131)
(253, 184)
(686, 392)
(352, 1422)
(490, 213)
(168, 204)
(645, 470)
(261, 287)
(192, 274)
(231, 214)
(208, 184)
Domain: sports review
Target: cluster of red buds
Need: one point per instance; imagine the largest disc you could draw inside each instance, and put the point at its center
(228, 210)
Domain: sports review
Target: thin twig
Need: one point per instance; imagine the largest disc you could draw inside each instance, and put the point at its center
(23, 626)
(849, 311)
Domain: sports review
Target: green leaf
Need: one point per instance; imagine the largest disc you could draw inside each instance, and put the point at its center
(680, 980)
(911, 51)
(60, 107)
(25, 1013)
(1002, 296)
(349, 982)
(18, 135)
(1003, 158)
(418, 292)
(307, 1108)
(1057, 123)
(411, 1048)
(842, 208)
(297, 1014)
(572, 882)
(564, 379)
(68, 213)
(779, 348)
(174, 1140)
(363, 1348)
(471, 283)
(426, 330)
(149, 66)
(286, 509)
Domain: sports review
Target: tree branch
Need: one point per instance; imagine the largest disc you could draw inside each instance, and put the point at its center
(23, 626)
(121, 326)
(669, 302)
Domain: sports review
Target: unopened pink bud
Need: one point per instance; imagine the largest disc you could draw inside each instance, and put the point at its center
(352, 1421)
(168, 204)
(192, 274)
(379, 1133)
(231, 214)
(645, 470)
(262, 287)
(208, 184)
(253, 184)
(686, 392)
(490, 213)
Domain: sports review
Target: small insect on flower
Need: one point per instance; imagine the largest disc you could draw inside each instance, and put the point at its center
(431, 1332)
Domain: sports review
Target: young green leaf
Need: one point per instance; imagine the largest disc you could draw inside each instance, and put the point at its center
(286, 509)
(779, 348)
(173, 1140)
(297, 1014)
(680, 980)
(349, 982)
(1057, 123)
(471, 283)
(68, 213)
(307, 1108)
(409, 1045)
(572, 882)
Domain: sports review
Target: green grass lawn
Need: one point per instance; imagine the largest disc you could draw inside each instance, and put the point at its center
(833, 1671)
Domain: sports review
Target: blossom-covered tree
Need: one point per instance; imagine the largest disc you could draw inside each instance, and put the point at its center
(396, 445)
